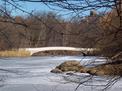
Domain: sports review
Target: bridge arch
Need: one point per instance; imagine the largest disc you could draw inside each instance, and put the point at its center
(42, 49)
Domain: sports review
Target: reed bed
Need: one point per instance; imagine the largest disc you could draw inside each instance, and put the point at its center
(14, 53)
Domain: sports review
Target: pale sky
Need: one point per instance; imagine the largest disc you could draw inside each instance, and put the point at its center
(41, 7)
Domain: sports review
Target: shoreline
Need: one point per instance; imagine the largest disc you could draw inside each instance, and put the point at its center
(24, 53)
(68, 53)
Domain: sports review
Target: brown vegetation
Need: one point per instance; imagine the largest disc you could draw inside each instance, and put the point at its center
(14, 53)
(49, 29)
(101, 31)
(54, 31)
(107, 69)
(110, 69)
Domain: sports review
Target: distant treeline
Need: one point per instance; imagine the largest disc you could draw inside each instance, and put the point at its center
(49, 29)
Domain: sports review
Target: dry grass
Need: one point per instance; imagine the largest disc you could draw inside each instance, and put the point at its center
(14, 53)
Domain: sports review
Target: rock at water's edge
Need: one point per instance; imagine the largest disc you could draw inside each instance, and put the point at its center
(68, 66)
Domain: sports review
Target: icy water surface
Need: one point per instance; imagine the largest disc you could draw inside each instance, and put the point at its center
(33, 74)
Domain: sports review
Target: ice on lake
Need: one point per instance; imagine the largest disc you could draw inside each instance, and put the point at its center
(33, 74)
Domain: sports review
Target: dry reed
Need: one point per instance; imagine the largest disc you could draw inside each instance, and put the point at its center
(14, 53)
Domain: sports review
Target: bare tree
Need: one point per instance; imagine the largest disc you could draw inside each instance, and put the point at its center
(79, 8)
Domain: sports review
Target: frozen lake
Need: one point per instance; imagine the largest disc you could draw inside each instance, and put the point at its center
(33, 74)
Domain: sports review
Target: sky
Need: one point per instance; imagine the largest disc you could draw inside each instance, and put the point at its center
(29, 7)
(39, 7)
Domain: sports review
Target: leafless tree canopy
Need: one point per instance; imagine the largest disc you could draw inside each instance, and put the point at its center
(102, 28)
(99, 28)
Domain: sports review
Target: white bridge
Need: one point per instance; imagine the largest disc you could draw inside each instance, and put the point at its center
(41, 49)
